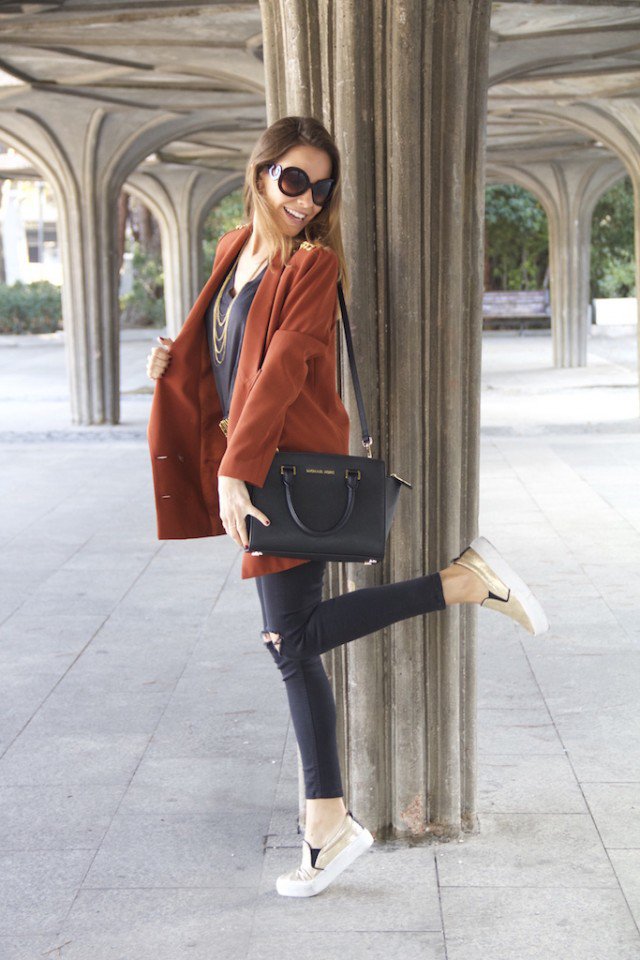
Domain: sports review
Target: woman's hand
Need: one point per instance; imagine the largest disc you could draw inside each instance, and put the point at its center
(235, 504)
(159, 358)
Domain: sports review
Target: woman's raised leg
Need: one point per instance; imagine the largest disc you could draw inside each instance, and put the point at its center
(358, 613)
(478, 575)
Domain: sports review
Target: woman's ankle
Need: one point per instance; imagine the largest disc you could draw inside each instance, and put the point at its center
(323, 818)
(461, 585)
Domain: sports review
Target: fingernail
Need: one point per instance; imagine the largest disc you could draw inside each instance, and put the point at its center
(246, 546)
(267, 522)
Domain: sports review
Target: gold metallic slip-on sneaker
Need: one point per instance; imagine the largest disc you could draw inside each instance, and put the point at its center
(508, 594)
(321, 865)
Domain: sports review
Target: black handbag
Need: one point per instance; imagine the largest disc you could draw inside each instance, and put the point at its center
(326, 506)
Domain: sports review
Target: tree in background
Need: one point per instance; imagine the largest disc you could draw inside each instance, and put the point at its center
(516, 240)
(517, 244)
(225, 216)
(613, 272)
(139, 235)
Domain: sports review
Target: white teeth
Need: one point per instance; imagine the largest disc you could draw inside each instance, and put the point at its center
(298, 216)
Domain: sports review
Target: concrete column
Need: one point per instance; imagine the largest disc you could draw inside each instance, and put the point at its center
(64, 150)
(180, 198)
(86, 154)
(612, 124)
(403, 88)
(568, 190)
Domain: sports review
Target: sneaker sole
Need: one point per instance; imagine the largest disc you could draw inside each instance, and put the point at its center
(531, 605)
(298, 888)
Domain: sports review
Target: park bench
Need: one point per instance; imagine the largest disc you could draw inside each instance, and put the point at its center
(503, 308)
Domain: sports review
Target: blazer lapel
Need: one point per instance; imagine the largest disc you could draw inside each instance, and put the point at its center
(256, 333)
(191, 342)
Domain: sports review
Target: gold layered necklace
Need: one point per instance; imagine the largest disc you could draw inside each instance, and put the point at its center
(221, 325)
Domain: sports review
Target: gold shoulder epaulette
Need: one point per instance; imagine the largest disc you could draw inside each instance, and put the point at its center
(307, 245)
(239, 226)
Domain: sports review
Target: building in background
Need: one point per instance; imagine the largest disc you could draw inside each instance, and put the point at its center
(29, 224)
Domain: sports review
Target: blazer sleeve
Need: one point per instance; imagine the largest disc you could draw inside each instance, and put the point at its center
(307, 324)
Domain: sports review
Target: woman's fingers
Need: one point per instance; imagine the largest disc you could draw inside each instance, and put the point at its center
(260, 515)
(235, 506)
(157, 362)
(236, 533)
(254, 512)
(237, 526)
(159, 358)
(242, 530)
(230, 525)
(155, 370)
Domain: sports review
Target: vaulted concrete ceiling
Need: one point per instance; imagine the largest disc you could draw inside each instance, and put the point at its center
(162, 57)
(548, 58)
(177, 57)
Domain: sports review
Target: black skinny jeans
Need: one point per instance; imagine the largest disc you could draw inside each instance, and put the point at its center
(292, 606)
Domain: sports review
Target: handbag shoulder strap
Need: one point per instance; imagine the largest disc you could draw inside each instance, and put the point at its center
(366, 438)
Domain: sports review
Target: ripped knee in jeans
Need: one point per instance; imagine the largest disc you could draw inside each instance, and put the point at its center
(269, 636)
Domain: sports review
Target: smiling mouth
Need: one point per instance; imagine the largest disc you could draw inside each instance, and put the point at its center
(292, 216)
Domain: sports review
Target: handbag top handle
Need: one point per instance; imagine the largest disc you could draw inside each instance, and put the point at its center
(366, 437)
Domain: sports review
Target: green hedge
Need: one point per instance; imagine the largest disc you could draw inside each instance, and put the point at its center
(30, 307)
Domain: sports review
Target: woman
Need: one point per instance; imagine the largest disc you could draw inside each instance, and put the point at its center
(253, 371)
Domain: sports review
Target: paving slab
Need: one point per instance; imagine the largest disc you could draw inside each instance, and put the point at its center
(529, 850)
(615, 808)
(56, 816)
(537, 923)
(159, 924)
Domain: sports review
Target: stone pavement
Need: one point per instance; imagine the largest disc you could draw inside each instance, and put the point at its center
(148, 770)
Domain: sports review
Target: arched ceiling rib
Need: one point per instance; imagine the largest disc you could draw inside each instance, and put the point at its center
(167, 57)
(548, 58)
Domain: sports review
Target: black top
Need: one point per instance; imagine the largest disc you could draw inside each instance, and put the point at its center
(225, 372)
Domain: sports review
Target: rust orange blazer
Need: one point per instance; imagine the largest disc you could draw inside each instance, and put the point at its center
(284, 394)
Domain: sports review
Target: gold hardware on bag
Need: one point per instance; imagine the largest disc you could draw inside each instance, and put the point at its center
(224, 424)
(282, 466)
(348, 471)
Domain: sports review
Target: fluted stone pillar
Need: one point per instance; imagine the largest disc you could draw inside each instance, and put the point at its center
(569, 191)
(86, 153)
(612, 124)
(180, 198)
(402, 87)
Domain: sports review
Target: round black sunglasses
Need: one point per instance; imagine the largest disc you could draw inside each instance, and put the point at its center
(293, 181)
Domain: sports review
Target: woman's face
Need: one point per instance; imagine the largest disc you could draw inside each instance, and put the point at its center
(316, 164)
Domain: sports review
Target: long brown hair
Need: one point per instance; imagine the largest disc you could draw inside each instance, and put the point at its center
(324, 229)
